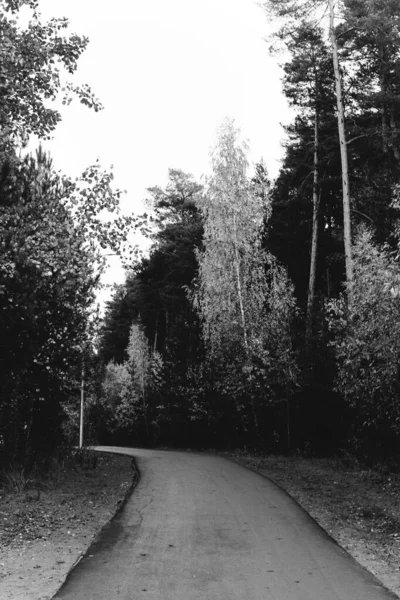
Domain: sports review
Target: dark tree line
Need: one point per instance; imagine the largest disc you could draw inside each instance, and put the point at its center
(51, 241)
(342, 392)
(265, 315)
(367, 39)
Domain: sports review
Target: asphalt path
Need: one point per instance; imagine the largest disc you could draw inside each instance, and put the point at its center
(200, 527)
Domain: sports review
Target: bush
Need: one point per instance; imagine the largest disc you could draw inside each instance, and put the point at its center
(367, 346)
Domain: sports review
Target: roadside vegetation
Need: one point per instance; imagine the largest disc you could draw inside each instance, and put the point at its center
(266, 313)
(261, 327)
(48, 523)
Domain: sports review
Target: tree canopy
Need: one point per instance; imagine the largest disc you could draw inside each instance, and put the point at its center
(264, 314)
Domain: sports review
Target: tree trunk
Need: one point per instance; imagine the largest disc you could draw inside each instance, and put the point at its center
(243, 318)
(396, 150)
(239, 288)
(143, 386)
(155, 334)
(344, 160)
(385, 144)
(166, 328)
(328, 283)
(314, 240)
(384, 90)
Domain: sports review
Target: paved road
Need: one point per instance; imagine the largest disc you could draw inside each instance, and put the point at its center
(199, 527)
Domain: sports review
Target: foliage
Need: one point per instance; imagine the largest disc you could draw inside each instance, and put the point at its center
(228, 357)
(116, 384)
(229, 294)
(155, 287)
(139, 361)
(53, 232)
(46, 285)
(367, 342)
(127, 403)
(49, 272)
(154, 299)
(118, 398)
(177, 202)
(180, 397)
(243, 297)
(308, 84)
(33, 60)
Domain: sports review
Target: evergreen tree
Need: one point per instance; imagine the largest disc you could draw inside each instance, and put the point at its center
(295, 14)
(308, 86)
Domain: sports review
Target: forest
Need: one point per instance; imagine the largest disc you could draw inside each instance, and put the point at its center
(266, 313)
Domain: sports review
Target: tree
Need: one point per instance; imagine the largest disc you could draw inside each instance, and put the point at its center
(130, 392)
(237, 280)
(120, 311)
(369, 47)
(46, 286)
(139, 359)
(172, 265)
(32, 63)
(49, 272)
(370, 42)
(307, 84)
(154, 298)
(367, 348)
(177, 202)
(113, 412)
(228, 266)
(155, 285)
(307, 10)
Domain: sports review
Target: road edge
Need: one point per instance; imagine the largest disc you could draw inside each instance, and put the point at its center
(120, 505)
(353, 558)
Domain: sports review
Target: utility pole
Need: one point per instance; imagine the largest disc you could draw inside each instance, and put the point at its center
(82, 412)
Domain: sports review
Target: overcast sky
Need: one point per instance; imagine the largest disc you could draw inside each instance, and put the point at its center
(168, 72)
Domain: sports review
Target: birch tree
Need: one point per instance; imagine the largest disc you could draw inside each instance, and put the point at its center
(236, 276)
(139, 361)
(230, 293)
(145, 365)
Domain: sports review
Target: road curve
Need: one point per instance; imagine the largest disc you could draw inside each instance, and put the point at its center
(200, 527)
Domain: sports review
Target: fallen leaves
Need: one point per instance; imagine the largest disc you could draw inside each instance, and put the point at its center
(41, 538)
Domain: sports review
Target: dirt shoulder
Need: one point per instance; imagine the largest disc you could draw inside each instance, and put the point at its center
(45, 530)
(360, 509)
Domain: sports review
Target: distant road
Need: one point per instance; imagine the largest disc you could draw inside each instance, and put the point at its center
(199, 527)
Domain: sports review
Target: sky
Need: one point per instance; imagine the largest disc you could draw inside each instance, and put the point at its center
(167, 73)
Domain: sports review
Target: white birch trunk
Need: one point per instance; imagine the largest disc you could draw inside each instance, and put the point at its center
(239, 286)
